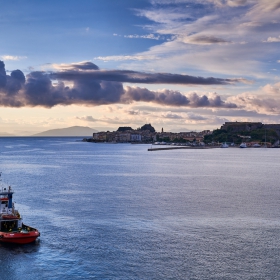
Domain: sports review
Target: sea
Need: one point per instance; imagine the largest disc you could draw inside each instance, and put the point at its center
(119, 211)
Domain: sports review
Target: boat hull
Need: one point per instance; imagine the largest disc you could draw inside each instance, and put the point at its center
(19, 237)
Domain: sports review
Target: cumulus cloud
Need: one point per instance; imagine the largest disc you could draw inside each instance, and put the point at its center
(272, 89)
(37, 89)
(173, 98)
(272, 40)
(92, 86)
(266, 101)
(213, 100)
(258, 104)
(165, 97)
(10, 85)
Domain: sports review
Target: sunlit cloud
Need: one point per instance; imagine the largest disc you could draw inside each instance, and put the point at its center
(272, 89)
(83, 65)
(272, 40)
(266, 101)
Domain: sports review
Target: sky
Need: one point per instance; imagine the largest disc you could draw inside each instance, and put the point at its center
(180, 65)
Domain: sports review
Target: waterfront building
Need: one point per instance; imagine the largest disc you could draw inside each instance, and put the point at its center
(135, 137)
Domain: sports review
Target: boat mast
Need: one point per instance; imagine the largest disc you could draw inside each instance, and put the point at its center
(8, 193)
(265, 138)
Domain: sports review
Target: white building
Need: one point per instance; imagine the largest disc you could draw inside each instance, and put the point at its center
(135, 137)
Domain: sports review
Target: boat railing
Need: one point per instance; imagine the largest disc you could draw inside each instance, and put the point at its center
(6, 190)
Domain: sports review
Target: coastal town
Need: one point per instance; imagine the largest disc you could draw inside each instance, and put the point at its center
(253, 134)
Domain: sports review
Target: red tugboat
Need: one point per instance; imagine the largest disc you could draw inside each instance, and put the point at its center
(12, 230)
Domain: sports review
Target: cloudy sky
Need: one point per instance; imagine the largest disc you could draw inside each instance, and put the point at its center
(178, 64)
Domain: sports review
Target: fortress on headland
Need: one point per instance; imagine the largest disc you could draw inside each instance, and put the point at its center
(241, 126)
(249, 126)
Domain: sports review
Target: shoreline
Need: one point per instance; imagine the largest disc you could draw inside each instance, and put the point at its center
(178, 148)
(206, 148)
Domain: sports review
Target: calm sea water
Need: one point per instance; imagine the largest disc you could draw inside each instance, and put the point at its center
(117, 211)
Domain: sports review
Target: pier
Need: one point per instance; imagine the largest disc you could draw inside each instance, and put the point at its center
(177, 148)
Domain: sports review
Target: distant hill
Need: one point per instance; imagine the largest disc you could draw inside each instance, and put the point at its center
(4, 134)
(69, 131)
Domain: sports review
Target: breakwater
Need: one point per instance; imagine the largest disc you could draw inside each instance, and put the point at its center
(177, 148)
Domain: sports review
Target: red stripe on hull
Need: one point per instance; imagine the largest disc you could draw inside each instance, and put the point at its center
(19, 238)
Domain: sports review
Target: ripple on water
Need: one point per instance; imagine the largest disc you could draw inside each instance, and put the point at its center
(120, 212)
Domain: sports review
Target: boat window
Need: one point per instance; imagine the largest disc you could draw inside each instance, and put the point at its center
(8, 225)
(5, 202)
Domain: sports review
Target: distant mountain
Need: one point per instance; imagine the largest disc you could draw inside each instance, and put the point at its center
(4, 134)
(69, 131)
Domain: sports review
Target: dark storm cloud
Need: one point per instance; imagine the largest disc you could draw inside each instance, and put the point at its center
(205, 101)
(10, 85)
(166, 97)
(91, 86)
(15, 81)
(126, 76)
(38, 90)
(3, 77)
(173, 98)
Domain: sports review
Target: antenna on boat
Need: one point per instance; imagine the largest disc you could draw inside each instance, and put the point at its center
(265, 139)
